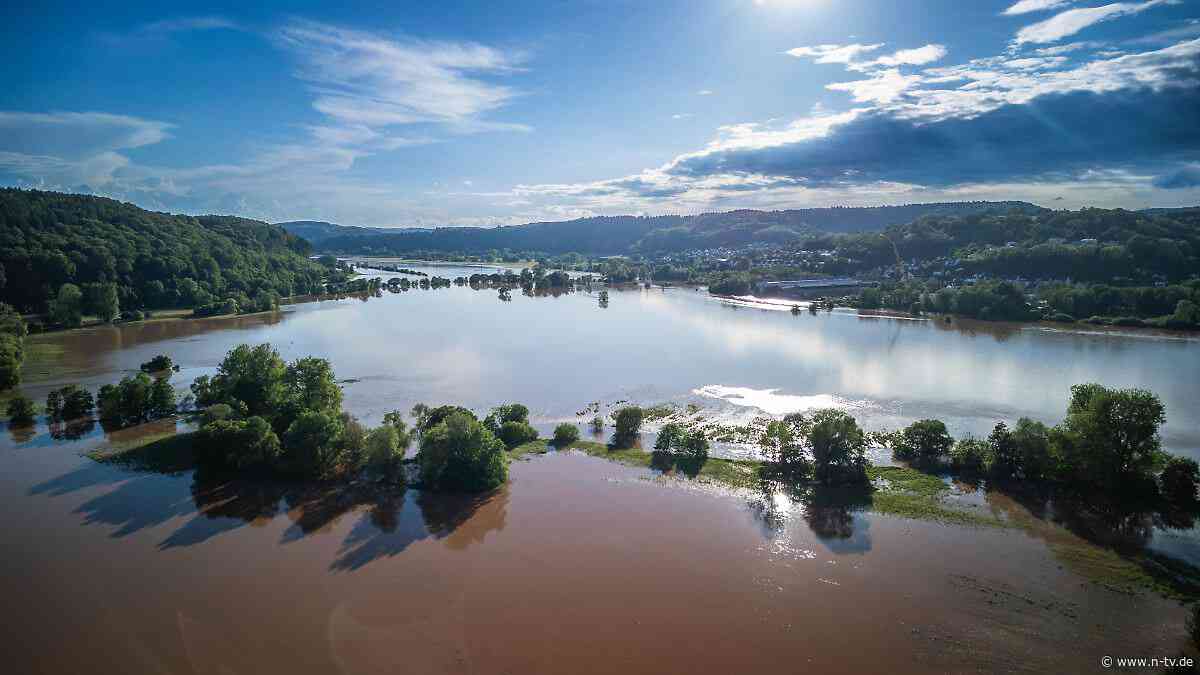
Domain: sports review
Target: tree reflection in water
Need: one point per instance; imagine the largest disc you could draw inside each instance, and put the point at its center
(385, 527)
(835, 515)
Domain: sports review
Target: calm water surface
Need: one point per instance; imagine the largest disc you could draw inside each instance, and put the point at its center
(578, 565)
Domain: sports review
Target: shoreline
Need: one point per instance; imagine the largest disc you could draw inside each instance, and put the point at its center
(1078, 327)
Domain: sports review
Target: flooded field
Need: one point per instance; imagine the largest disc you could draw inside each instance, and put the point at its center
(581, 565)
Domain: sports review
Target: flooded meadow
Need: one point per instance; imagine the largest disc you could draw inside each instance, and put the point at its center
(580, 564)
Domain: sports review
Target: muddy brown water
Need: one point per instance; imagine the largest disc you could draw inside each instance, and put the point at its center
(578, 565)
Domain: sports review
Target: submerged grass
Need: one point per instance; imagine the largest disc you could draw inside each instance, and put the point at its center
(168, 452)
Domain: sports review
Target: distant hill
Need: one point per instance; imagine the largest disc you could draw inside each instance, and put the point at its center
(608, 235)
(317, 231)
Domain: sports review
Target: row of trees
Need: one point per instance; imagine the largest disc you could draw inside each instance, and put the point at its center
(133, 400)
(1108, 441)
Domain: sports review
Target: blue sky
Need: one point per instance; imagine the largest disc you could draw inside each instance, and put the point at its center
(458, 113)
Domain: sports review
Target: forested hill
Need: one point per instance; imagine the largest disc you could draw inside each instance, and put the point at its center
(104, 255)
(625, 234)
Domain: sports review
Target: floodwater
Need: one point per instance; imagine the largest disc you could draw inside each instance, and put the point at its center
(578, 565)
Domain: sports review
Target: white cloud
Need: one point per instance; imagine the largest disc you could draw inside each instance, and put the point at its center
(833, 53)
(705, 92)
(1070, 22)
(913, 57)
(1027, 6)
(884, 87)
(368, 80)
(681, 116)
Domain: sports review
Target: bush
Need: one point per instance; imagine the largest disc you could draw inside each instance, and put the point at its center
(597, 424)
(459, 453)
(216, 412)
(238, 444)
(158, 364)
(565, 434)
(628, 426)
(838, 448)
(21, 412)
(923, 441)
(1179, 479)
(516, 433)
(972, 456)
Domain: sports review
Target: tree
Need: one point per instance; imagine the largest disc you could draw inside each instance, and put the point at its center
(565, 434)
(972, 456)
(923, 441)
(597, 424)
(420, 412)
(783, 443)
(11, 357)
(460, 454)
(162, 398)
(21, 412)
(67, 308)
(250, 378)
(1032, 441)
(69, 403)
(395, 419)
(628, 422)
(668, 437)
(311, 444)
(838, 448)
(12, 346)
(310, 384)
(384, 453)
(102, 300)
(1179, 479)
(692, 446)
(1006, 460)
(1109, 435)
